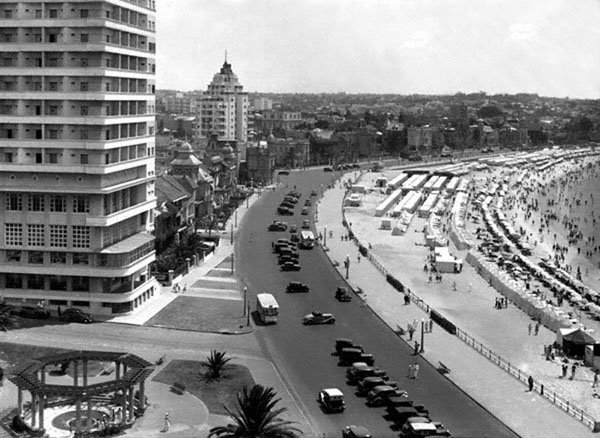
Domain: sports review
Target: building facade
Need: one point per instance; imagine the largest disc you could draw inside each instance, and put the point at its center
(77, 153)
(277, 120)
(223, 109)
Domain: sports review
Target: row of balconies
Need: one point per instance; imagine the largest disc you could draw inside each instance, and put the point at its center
(78, 110)
(62, 84)
(69, 60)
(24, 131)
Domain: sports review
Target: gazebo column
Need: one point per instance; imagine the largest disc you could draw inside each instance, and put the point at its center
(89, 413)
(124, 405)
(85, 372)
(19, 401)
(118, 369)
(41, 400)
(33, 409)
(77, 415)
(142, 396)
(75, 372)
(131, 415)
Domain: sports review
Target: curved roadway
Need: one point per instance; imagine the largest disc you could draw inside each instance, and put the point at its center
(303, 353)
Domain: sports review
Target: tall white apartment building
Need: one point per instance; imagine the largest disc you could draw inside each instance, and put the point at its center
(224, 108)
(77, 153)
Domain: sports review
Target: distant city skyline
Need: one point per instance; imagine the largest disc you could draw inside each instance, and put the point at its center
(548, 47)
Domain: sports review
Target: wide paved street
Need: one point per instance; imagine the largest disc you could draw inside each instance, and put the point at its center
(303, 354)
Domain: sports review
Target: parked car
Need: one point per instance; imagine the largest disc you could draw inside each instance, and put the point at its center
(342, 343)
(368, 383)
(290, 199)
(295, 237)
(293, 228)
(313, 193)
(400, 414)
(395, 401)
(307, 203)
(328, 169)
(350, 355)
(304, 211)
(290, 266)
(277, 226)
(317, 318)
(377, 395)
(341, 294)
(305, 224)
(332, 400)
(361, 370)
(356, 432)
(287, 204)
(284, 172)
(296, 286)
(293, 258)
(285, 211)
(415, 427)
(296, 195)
(76, 315)
(35, 312)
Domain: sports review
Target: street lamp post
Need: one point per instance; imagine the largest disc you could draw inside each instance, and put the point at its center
(236, 210)
(245, 299)
(325, 238)
(422, 335)
(231, 238)
(232, 263)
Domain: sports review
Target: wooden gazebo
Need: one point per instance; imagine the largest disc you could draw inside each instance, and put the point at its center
(130, 370)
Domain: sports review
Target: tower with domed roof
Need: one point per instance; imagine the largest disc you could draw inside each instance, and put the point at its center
(223, 109)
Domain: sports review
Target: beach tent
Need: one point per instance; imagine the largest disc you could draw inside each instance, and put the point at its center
(574, 342)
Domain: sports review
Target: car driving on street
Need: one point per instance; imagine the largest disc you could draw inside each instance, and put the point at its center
(296, 286)
(332, 400)
(316, 318)
(290, 266)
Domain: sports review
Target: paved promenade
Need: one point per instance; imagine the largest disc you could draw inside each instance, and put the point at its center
(526, 413)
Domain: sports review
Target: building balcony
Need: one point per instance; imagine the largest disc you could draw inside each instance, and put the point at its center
(76, 71)
(75, 47)
(118, 216)
(79, 95)
(76, 168)
(78, 120)
(68, 143)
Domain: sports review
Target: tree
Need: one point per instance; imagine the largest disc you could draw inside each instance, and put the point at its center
(215, 363)
(7, 318)
(256, 417)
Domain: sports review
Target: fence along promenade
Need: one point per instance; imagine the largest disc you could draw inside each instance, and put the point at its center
(548, 393)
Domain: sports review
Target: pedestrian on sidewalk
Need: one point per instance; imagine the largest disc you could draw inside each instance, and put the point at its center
(573, 369)
(415, 370)
(530, 383)
(565, 368)
(529, 329)
(417, 346)
(167, 422)
(406, 299)
(430, 278)
(358, 258)
(537, 328)
(431, 326)
(411, 331)
(595, 379)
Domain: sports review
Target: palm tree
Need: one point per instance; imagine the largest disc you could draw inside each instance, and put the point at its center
(215, 363)
(255, 417)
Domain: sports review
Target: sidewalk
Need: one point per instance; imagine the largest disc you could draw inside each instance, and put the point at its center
(166, 295)
(527, 414)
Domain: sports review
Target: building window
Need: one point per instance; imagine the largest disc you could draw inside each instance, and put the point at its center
(84, 159)
(59, 258)
(13, 234)
(85, 38)
(58, 282)
(8, 156)
(81, 204)
(36, 257)
(84, 110)
(84, 13)
(13, 256)
(84, 86)
(14, 281)
(80, 284)
(14, 201)
(81, 258)
(58, 236)
(35, 282)
(53, 13)
(81, 236)
(36, 203)
(53, 158)
(35, 234)
(58, 203)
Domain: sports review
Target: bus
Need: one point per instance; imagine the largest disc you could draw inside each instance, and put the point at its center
(307, 239)
(267, 308)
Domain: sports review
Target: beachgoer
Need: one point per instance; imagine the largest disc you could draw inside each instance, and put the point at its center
(529, 329)
(595, 379)
(415, 370)
(530, 383)
(167, 422)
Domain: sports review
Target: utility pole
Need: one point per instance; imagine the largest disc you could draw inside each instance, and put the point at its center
(236, 210)
(422, 335)
(245, 299)
(347, 264)
(325, 238)
(231, 239)
(232, 263)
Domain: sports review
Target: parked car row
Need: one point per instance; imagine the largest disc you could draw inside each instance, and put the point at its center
(286, 207)
(288, 256)
(373, 383)
(277, 226)
(40, 312)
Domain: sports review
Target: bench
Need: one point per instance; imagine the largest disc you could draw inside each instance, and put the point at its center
(178, 388)
(443, 369)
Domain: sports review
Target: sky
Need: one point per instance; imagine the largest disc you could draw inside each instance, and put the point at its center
(549, 47)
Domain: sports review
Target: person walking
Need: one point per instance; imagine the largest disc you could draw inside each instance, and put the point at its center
(537, 328)
(415, 370)
(529, 328)
(530, 383)
(595, 379)
(417, 346)
(411, 331)
(167, 422)
(573, 369)
(411, 371)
